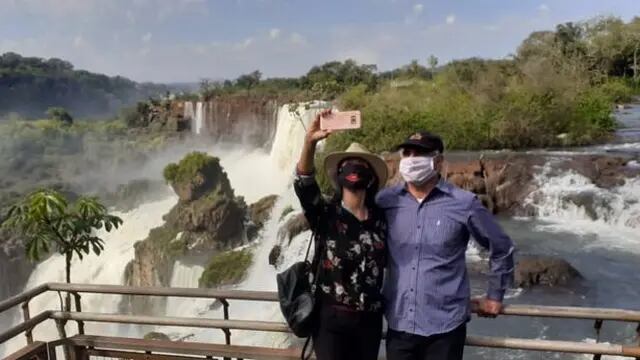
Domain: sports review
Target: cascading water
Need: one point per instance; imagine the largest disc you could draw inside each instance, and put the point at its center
(242, 169)
(198, 118)
(189, 113)
(571, 202)
(108, 268)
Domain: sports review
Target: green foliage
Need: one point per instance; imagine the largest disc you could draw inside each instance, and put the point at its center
(47, 219)
(60, 114)
(188, 167)
(165, 240)
(226, 268)
(30, 85)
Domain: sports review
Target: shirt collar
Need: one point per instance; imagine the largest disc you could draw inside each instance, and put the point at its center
(441, 185)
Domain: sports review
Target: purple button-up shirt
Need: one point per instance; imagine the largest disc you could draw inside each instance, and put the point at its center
(427, 286)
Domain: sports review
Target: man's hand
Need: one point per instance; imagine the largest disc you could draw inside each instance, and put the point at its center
(486, 307)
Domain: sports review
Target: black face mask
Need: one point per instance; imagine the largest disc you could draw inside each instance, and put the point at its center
(354, 176)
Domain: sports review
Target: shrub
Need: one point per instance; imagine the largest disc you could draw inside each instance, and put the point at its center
(188, 167)
(226, 268)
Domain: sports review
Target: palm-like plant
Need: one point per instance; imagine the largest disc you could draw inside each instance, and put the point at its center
(46, 219)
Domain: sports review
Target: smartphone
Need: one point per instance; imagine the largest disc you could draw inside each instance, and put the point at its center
(341, 120)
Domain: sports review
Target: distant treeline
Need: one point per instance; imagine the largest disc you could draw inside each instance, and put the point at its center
(31, 85)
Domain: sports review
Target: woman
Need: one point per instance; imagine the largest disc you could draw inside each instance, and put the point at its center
(350, 234)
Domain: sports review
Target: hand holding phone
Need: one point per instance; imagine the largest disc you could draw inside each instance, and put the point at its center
(341, 120)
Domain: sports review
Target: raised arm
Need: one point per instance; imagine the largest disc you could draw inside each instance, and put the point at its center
(305, 185)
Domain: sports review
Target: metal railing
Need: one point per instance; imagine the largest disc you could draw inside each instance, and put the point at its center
(598, 315)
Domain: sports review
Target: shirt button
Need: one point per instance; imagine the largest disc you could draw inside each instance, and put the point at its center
(410, 310)
(411, 290)
(413, 268)
(418, 226)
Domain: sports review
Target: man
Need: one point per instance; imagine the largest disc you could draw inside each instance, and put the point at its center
(427, 287)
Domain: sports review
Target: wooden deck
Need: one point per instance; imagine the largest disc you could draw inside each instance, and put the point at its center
(83, 346)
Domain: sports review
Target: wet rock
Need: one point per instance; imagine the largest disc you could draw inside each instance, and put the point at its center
(274, 255)
(544, 270)
(633, 221)
(207, 221)
(243, 119)
(128, 196)
(294, 226)
(604, 171)
(259, 213)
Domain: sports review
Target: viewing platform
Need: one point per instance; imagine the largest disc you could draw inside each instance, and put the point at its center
(80, 346)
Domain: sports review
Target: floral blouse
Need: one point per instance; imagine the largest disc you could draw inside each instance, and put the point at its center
(353, 252)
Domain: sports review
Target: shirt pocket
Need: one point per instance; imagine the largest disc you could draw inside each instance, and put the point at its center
(443, 237)
(401, 223)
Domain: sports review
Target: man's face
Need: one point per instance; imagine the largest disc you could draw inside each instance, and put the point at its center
(416, 151)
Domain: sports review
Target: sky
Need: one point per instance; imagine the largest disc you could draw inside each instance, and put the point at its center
(187, 40)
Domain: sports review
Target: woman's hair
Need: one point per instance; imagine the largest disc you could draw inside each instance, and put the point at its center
(370, 192)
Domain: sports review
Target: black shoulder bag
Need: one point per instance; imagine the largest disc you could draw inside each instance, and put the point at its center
(297, 294)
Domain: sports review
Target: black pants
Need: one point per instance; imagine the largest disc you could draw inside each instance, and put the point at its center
(447, 346)
(347, 335)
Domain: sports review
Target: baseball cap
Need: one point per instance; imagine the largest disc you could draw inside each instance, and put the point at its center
(424, 140)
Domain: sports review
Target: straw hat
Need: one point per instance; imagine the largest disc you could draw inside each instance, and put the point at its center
(355, 150)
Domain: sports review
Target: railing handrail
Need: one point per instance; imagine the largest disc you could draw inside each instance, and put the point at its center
(566, 312)
(471, 340)
(249, 295)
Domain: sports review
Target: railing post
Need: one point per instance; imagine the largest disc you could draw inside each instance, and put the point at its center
(62, 333)
(225, 309)
(598, 326)
(638, 332)
(227, 332)
(80, 323)
(26, 316)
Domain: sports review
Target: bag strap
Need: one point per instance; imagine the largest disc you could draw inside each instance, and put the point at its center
(311, 239)
(304, 350)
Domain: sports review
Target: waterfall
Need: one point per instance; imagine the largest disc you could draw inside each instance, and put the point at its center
(290, 132)
(199, 117)
(242, 167)
(108, 268)
(188, 113)
(184, 276)
(253, 174)
(571, 202)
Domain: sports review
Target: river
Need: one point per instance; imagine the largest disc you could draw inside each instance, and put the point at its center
(602, 247)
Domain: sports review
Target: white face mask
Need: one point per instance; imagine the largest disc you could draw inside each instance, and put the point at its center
(417, 169)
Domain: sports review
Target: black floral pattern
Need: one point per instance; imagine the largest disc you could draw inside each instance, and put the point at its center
(354, 253)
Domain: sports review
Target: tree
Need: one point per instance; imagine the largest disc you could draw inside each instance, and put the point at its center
(60, 114)
(46, 219)
(433, 62)
(248, 81)
(209, 89)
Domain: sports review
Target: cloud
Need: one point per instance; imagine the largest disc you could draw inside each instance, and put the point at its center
(450, 19)
(131, 18)
(78, 42)
(418, 8)
(243, 44)
(297, 39)
(274, 33)
(146, 38)
(543, 7)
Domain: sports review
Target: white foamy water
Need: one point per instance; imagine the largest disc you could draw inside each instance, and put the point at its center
(189, 113)
(199, 117)
(571, 202)
(245, 170)
(108, 268)
(184, 276)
